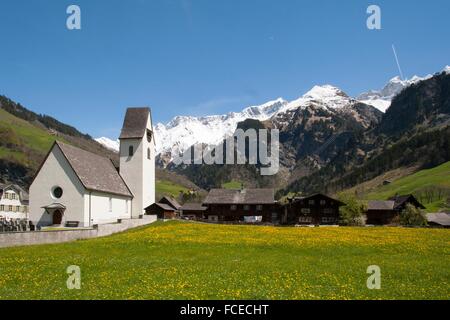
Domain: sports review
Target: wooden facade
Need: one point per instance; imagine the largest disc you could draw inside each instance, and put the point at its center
(388, 212)
(243, 212)
(317, 209)
(246, 205)
(193, 211)
(161, 210)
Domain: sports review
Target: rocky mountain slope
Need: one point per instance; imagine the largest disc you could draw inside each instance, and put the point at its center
(184, 131)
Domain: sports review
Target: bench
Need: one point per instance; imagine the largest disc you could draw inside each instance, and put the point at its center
(72, 224)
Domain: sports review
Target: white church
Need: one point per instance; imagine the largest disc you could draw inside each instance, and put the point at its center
(78, 188)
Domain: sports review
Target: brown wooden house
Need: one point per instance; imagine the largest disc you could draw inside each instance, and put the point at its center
(316, 209)
(193, 211)
(246, 205)
(388, 212)
(171, 202)
(161, 210)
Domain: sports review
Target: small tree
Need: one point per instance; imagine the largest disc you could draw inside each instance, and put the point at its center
(412, 216)
(352, 213)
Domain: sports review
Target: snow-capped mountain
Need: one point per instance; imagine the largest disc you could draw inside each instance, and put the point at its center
(382, 99)
(447, 69)
(109, 144)
(184, 131)
(325, 96)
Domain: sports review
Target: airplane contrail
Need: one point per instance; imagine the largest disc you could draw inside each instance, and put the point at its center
(398, 64)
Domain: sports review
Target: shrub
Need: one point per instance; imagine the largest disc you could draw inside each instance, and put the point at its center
(352, 213)
(412, 216)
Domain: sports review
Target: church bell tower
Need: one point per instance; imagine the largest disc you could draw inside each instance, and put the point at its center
(137, 158)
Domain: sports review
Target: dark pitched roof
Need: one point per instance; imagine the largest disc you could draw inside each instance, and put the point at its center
(245, 196)
(161, 205)
(440, 218)
(380, 205)
(171, 202)
(95, 172)
(135, 123)
(193, 207)
(402, 199)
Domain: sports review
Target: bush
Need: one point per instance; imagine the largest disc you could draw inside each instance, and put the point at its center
(352, 213)
(412, 216)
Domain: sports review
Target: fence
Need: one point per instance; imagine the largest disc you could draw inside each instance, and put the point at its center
(12, 239)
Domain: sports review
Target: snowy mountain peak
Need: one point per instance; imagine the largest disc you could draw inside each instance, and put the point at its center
(382, 99)
(447, 69)
(326, 96)
(324, 92)
(184, 131)
(109, 144)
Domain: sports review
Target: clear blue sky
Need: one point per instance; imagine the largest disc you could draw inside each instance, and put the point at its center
(199, 57)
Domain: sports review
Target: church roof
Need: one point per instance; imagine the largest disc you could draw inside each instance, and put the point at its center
(135, 123)
(95, 172)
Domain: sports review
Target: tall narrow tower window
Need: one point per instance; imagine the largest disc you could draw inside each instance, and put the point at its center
(148, 154)
(149, 135)
(130, 151)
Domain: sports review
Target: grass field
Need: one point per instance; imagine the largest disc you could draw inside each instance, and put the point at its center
(234, 184)
(417, 183)
(168, 188)
(31, 136)
(177, 260)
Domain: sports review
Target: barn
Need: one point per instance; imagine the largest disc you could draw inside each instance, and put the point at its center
(387, 212)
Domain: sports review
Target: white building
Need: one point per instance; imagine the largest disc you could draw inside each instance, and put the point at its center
(13, 202)
(81, 188)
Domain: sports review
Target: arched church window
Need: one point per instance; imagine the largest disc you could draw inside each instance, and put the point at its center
(149, 135)
(148, 154)
(130, 151)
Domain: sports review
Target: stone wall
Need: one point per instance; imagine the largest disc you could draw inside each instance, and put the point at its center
(41, 237)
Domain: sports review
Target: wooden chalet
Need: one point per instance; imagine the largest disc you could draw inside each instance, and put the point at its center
(317, 209)
(246, 205)
(161, 210)
(171, 202)
(388, 212)
(165, 208)
(193, 211)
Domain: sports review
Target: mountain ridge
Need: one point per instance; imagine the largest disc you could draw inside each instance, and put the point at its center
(184, 131)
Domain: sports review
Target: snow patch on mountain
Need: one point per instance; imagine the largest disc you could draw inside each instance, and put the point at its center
(109, 144)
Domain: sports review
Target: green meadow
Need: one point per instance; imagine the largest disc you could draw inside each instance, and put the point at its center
(184, 260)
(168, 188)
(431, 185)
